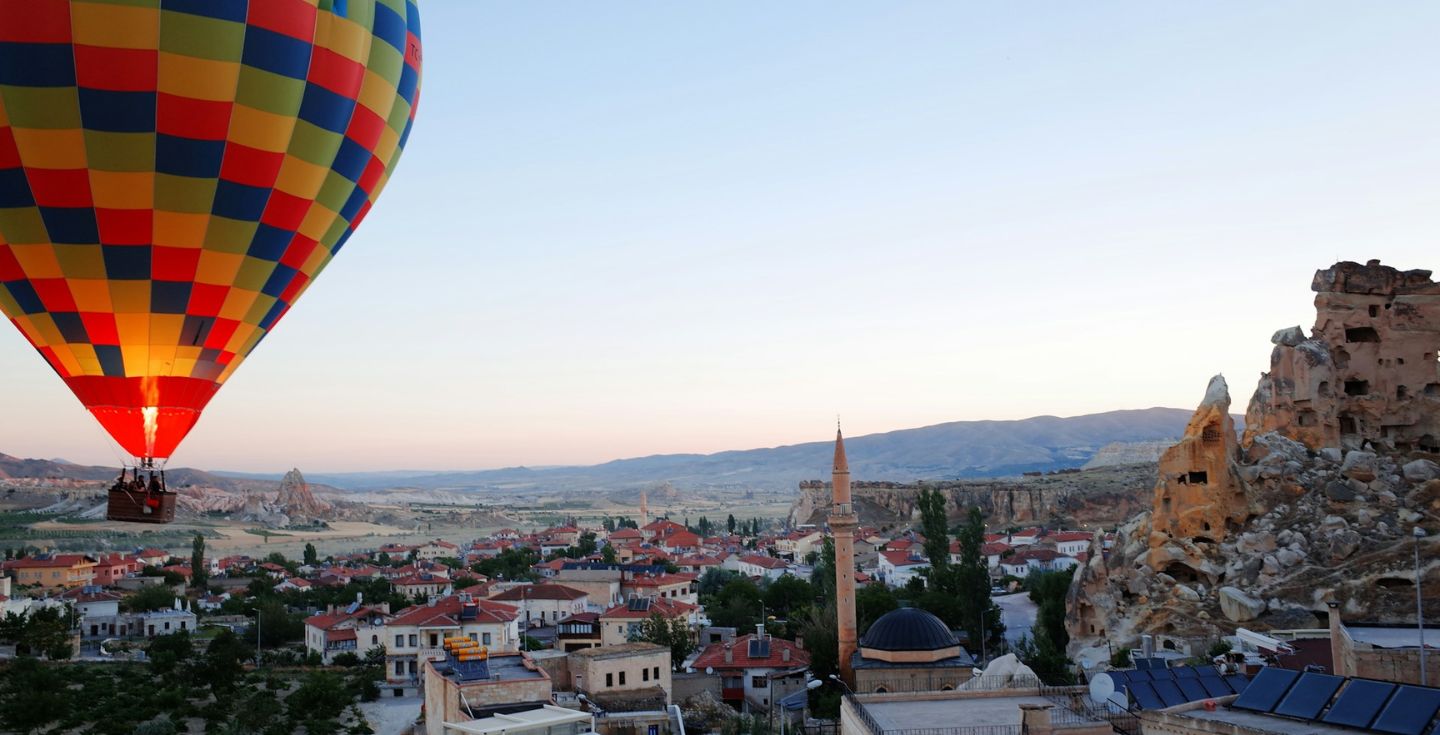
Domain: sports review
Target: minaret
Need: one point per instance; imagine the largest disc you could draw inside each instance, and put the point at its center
(842, 525)
(644, 511)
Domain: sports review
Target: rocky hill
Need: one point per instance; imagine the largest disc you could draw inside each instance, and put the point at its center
(1314, 505)
(1068, 498)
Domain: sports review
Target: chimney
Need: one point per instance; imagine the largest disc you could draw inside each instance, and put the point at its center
(760, 631)
(729, 653)
(785, 654)
(1147, 646)
(800, 642)
(1338, 665)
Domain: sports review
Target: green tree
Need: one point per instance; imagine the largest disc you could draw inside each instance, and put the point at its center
(736, 605)
(673, 634)
(312, 556)
(199, 572)
(321, 696)
(713, 580)
(1046, 651)
(607, 554)
(788, 593)
(585, 546)
(730, 524)
(872, 601)
(969, 583)
(278, 625)
(224, 661)
(151, 597)
(818, 626)
(46, 630)
(161, 725)
(933, 522)
(822, 576)
(167, 652)
(33, 696)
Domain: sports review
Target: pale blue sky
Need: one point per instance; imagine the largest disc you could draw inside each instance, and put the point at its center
(633, 228)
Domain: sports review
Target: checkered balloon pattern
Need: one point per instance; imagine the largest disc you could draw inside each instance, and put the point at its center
(175, 173)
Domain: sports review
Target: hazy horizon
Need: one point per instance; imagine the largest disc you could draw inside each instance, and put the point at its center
(625, 230)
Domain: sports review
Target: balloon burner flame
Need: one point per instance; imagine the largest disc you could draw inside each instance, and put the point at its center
(151, 415)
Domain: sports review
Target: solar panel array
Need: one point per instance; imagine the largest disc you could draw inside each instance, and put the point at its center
(759, 648)
(1158, 687)
(639, 604)
(1374, 706)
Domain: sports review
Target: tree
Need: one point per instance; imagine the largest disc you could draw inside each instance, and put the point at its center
(673, 634)
(822, 576)
(277, 625)
(713, 580)
(33, 696)
(1046, 652)
(872, 601)
(312, 557)
(152, 597)
(736, 605)
(321, 696)
(167, 652)
(788, 593)
(970, 583)
(818, 625)
(585, 546)
(607, 554)
(224, 661)
(933, 525)
(199, 573)
(730, 524)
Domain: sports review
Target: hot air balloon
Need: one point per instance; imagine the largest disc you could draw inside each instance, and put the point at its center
(173, 175)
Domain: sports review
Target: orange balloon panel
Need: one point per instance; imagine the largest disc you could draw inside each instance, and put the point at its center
(175, 173)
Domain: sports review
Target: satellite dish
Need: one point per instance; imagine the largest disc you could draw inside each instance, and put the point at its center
(709, 669)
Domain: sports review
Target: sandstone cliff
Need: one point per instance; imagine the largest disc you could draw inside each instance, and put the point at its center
(1315, 504)
(1102, 497)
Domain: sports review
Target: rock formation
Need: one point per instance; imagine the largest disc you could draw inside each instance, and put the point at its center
(1315, 504)
(295, 499)
(1104, 496)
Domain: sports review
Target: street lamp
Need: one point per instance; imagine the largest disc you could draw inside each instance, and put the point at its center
(1419, 533)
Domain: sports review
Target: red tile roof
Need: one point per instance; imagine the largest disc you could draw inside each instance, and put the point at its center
(665, 607)
(714, 655)
(626, 533)
(540, 592)
(325, 621)
(446, 611)
(760, 560)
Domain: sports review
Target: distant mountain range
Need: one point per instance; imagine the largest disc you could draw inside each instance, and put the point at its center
(955, 450)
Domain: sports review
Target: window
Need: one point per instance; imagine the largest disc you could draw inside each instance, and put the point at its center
(485, 639)
(399, 641)
(434, 640)
(399, 667)
(657, 673)
(412, 667)
(374, 640)
(622, 678)
(644, 674)
(414, 640)
(609, 680)
(757, 682)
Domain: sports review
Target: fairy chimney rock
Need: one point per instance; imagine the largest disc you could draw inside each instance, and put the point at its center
(1368, 370)
(1197, 494)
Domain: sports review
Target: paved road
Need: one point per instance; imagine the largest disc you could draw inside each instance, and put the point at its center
(1018, 612)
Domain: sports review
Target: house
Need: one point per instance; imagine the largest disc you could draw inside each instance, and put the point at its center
(626, 535)
(661, 528)
(796, 545)
(613, 676)
(293, 583)
(94, 608)
(436, 549)
(600, 585)
(578, 632)
(457, 692)
(152, 557)
(1071, 543)
(211, 603)
(57, 571)
(759, 565)
(622, 622)
(424, 584)
(755, 669)
(110, 568)
(897, 568)
(273, 570)
(1025, 537)
(544, 604)
(160, 622)
(680, 542)
(416, 634)
(355, 629)
(682, 587)
(1044, 560)
(549, 569)
(698, 564)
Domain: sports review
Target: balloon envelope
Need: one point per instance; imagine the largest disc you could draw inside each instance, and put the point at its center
(175, 173)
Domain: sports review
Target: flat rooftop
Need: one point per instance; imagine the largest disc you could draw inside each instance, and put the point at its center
(503, 668)
(620, 651)
(1390, 637)
(1267, 723)
(544, 718)
(949, 713)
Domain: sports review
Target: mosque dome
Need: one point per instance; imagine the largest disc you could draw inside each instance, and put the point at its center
(908, 629)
